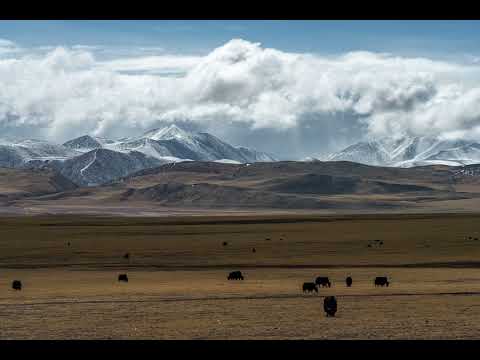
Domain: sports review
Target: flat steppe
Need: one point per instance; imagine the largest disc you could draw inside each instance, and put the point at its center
(178, 267)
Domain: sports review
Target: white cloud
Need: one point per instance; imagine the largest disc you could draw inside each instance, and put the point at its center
(6, 43)
(68, 92)
(8, 47)
(165, 64)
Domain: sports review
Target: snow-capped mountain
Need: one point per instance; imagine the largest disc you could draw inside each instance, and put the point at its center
(100, 166)
(411, 151)
(84, 143)
(19, 153)
(173, 144)
(89, 160)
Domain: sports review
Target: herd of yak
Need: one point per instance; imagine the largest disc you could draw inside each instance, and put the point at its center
(329, 303)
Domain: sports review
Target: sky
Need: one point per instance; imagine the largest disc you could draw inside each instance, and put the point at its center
(292, 88)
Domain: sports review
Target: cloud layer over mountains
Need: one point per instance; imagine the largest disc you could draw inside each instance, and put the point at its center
(286, 103)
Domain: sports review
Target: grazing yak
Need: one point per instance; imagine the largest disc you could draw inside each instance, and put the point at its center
(123, 277)
(348, 281)
(254, 250)
(323, 281)
(310, 286)
(17, 285)
(225, 243)
(126, 256)
(235, 275)
(381, 281)
(330, 305)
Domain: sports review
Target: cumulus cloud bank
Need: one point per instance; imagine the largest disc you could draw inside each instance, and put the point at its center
(67, 92)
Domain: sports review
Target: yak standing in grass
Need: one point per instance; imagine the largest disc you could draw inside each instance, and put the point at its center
(349, 281)
(381, 281)
(123, 277)
(323, 281)
(235, 275)
(330, 305)
(310, 286)
(17, 285)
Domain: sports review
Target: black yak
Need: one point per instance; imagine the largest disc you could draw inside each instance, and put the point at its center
(17, 285)
(330, 305)
(123, 277)
(323, 281)
(235, 275)
(348, 281)
(381, 281)
(310, 286)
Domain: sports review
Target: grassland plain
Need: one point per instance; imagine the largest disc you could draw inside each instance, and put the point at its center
(178, 266)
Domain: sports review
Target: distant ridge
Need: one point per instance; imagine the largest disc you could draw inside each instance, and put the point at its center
(411, 151)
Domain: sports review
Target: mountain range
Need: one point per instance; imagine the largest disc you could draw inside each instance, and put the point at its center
(410, 151)
(90, 161)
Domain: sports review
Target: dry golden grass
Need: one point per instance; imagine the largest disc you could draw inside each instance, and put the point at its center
(202, 304)
(177, 285)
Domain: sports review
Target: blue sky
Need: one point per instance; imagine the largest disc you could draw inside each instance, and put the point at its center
(424, 38)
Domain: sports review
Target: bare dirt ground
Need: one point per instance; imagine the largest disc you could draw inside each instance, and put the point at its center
(178, 289)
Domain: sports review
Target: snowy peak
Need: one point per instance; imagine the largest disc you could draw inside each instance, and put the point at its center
(21, 153)
(179, 143)
(83, 143)
(89, 160)
(168, 133)
(410, 151)
(371, 153)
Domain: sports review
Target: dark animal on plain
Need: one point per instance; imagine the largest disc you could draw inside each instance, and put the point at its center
(381, 242)
(17, 285)
(224, 243)
(235, 275)
(330, 305)
(369, 245)
(268, 239)
(323, 281)
(381, 281)
(126, 256)
(309, 286)
(348, 281)
(68, 243)
(123, 277)
(476, 239)
(254, 250)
